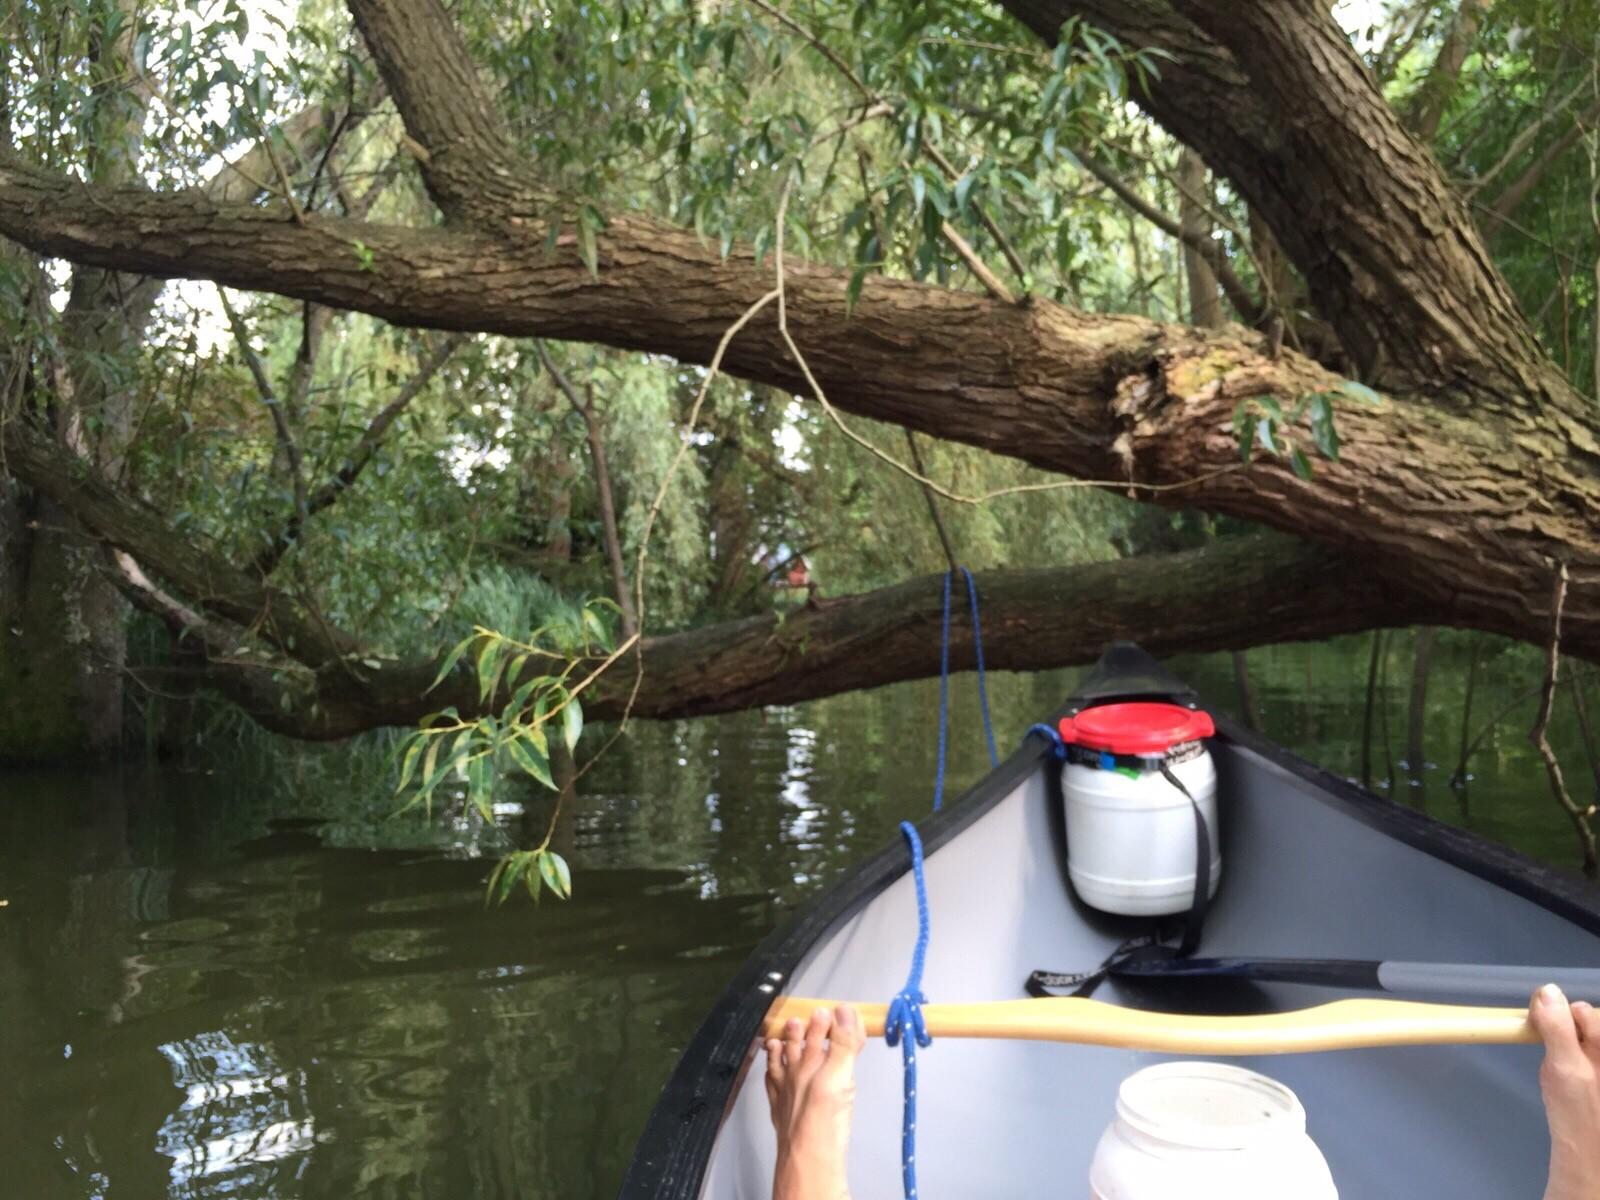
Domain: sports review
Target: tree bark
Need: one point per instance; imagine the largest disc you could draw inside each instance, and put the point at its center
(1275, 97)
(1245, 591)
(1432, 99)
(1511, 480)
(594, 435)
(1205, 306)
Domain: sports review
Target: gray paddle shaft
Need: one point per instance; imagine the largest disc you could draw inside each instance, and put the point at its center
(1492, 984)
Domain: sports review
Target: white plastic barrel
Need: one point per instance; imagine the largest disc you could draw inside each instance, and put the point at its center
(1131, 838)
(1207, 1131)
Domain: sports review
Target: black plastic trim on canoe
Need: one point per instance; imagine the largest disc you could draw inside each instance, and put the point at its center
(675, 1148)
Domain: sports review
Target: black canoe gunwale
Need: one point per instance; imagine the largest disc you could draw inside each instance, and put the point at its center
(674, 1150)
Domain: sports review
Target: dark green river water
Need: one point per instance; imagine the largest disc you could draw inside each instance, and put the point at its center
(251, 980)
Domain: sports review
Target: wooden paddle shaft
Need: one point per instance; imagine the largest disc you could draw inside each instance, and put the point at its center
(1340, 1025)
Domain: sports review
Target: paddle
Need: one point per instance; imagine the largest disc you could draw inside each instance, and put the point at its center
(1341, 1025)
(1496, 984)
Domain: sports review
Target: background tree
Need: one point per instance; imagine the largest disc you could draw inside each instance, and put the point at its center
(970, 208)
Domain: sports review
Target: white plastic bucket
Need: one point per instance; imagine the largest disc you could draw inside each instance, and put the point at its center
(1131, 838)
(1207, 1131)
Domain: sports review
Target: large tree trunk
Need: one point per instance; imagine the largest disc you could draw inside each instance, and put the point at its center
(64, 642)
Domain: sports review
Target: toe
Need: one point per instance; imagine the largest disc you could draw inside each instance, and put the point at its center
(774, 1050)
(849, 1032)
(794, 1041)
(1587, 1020)
(816, 1050)
(849, 1035)
(1552, 1016)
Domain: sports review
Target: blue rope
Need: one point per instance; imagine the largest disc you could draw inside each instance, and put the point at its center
(944, 696)
(1058, 748)
(904, 1025)
(983, 688)
(944, 683)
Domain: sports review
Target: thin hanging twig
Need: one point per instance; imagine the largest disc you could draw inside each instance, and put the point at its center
(1466, 711)
(933, 504)
(1580, 705)
(1538, 735)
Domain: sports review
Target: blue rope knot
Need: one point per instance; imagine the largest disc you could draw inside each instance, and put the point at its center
(905, 1017)
(904, 1025)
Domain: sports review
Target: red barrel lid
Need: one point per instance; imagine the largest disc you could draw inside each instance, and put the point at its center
(1136, 728)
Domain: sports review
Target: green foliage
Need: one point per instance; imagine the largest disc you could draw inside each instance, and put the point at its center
(1261, 421)
(1522, 113)
(533, 868)
(467, 756)
(535, 675)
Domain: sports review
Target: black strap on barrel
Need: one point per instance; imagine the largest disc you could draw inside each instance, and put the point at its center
(1147, 946)
(1202, 870)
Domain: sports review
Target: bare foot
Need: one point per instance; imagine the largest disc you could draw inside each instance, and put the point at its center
(811, 1086)
(1570, 1081)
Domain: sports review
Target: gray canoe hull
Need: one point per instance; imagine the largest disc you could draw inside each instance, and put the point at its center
(1308, 873)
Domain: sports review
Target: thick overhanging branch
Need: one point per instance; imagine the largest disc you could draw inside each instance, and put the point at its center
(1231, 594)
(457, 134)
(1239, 592)
(1479, 467)
(1507, 485)
(1274, 96)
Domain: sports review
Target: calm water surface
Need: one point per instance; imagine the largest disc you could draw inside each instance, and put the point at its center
(253, 981)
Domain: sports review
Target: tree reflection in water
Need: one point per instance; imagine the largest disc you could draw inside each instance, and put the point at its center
(244, 1126)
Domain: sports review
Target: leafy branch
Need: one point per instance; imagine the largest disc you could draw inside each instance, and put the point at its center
(543, 703)
(1261, 421)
